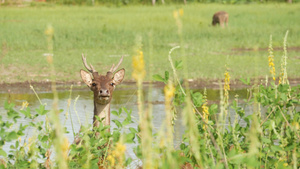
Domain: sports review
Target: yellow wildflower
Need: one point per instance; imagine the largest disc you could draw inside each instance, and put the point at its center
(49, 58)
(138, 66)
(117, 155)
(65, 147)
(112, 160)
(24, 105)
(205, 114)
(226, 86)
(29, 143)
(180, 11)
(49, 31)
(120, 150)
(271, 60)
(227, 81)
(175, 14)
(169, 92)
(162, 143)
(296, 125)
(205, 110)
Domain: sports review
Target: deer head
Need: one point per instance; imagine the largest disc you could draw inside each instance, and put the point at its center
(102, 85)
(221, 18)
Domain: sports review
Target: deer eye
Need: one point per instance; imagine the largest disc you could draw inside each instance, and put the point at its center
(93, 84)
(112, 84)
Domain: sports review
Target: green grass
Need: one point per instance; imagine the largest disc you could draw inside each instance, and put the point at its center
(103, 32)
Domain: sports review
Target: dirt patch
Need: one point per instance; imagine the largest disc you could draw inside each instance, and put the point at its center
(24, 87)
(295, 48)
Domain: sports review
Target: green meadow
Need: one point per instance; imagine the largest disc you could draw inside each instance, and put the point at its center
(106, 33)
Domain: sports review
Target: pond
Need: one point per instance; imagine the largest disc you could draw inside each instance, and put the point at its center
(82, 104)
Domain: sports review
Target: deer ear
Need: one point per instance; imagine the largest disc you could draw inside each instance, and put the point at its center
(119, 76)
(86, 77)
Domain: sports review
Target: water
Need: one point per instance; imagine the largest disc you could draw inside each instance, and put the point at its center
(82, 104)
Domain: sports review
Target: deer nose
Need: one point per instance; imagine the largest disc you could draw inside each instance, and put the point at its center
(104, 92)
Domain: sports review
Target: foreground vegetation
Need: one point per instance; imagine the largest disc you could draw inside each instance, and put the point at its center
(106, 33)
(262, 131)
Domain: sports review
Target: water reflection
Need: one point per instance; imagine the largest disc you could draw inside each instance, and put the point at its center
(82, 104)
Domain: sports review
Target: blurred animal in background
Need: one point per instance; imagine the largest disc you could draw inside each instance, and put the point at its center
(220, 18)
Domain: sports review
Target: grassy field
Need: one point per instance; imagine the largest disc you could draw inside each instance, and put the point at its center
(261, 131)
(105, 33)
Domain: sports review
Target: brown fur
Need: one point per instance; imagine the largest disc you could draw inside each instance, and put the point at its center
(220, 18)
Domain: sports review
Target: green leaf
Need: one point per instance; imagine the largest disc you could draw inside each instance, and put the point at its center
(98, 118)
(32, 124)
(158, 78)
(17, 144)
(197, 98)
(22, 128)
(133, 130)
(12, 114)
(266, 140)
(2, 142)
(115, 113)
(8, 124)
(252, 162)
(44, 139)
(126, 122)
(26, 112)
(3, 153)
(182, 146)
(166, 76)
(120, 111)
(117, 123)
(238, 159)
(178, 65)
(8, 106)
(41, 110)
(12, 135)
(12, 147)
(213, 109)
(128, 119)
(276, 148)
(116, 136)
(128, 161)
(129, 138)
(247, 82)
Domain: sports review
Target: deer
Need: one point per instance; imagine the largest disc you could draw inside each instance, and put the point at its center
(102, 86)
(219, 18)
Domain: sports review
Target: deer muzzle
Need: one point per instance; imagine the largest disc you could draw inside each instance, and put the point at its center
(104, 94)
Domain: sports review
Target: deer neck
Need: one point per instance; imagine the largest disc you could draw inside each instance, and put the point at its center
(103, 112)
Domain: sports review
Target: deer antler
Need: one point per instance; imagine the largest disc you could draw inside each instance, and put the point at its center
(92, 70)
(114, 68)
